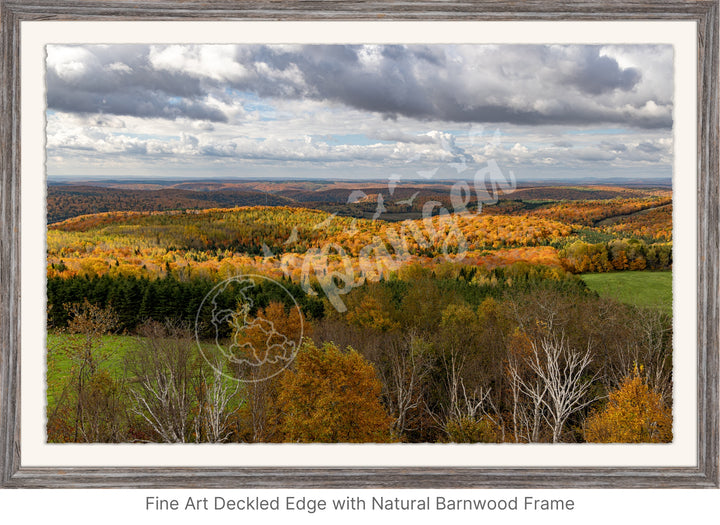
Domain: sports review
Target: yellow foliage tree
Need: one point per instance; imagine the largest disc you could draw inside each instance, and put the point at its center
(332, 396)
(469, 430)
(372, 313)
(634, 414)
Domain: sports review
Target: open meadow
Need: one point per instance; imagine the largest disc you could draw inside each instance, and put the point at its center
(640, 288)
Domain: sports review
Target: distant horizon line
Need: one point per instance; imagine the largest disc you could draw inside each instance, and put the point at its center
(165, 178)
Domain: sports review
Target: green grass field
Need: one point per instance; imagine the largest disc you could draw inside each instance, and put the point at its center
(111, 356)
(59, 366)
(640, 288)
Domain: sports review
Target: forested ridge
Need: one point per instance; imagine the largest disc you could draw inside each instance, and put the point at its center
(65, 202)
(213, 242)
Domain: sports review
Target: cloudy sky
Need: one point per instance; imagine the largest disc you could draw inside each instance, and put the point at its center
(370, 112)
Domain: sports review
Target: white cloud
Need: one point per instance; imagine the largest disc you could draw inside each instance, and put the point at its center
(70, 63)
(216, 62)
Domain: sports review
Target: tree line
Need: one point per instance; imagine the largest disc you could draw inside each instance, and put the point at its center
(136, 300)
(615, 255)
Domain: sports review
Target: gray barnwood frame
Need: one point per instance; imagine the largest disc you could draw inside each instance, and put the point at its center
(704, 12)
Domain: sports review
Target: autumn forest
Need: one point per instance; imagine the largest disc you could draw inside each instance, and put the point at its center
(324, 311)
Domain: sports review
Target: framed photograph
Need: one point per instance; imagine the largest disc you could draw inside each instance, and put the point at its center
(250, 244)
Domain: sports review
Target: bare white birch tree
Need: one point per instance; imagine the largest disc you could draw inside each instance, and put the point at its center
(216, 393)
(408, 368)
(555, 390)
(561, 369)
(162, 371)
(527, 404)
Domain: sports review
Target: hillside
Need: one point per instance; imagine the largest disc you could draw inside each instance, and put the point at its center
(64, 202)
(292, 241)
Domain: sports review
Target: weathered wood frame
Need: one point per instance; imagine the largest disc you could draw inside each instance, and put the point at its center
(704, 474)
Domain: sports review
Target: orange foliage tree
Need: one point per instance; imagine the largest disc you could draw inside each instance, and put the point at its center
(263, 349)
(332, 396)
(634, 414)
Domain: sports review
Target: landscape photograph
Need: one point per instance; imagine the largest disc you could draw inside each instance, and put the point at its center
(359, 243)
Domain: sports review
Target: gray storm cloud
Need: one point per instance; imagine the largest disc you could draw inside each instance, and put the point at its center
(119, 80)
(514, 84)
